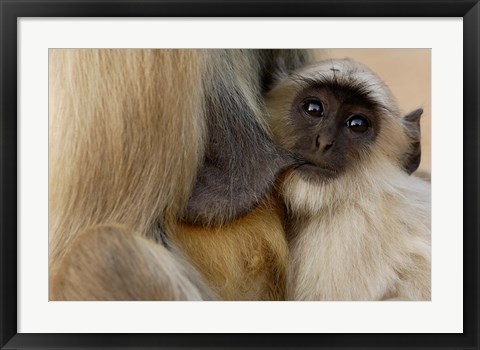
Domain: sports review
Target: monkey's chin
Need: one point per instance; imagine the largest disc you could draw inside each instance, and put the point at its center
(311, 172)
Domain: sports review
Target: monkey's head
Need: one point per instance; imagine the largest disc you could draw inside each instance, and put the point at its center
(337, 116)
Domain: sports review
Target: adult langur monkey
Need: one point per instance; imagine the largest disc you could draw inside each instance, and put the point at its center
(358, 226)
(141, 140)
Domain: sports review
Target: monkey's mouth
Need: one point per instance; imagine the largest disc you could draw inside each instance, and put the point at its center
(319, 169)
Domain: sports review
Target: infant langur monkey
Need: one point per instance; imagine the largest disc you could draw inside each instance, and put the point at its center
(358, 225)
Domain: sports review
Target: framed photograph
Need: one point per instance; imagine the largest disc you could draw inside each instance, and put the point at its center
(277, 98)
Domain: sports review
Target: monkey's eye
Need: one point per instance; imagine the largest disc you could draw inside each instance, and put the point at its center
(313, 108)
(357, 123)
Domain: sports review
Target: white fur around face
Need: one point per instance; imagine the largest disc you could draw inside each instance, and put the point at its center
(360, 238)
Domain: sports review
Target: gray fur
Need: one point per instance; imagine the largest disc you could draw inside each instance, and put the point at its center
(241, 161)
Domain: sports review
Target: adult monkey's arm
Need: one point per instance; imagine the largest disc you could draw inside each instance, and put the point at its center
(241, 162)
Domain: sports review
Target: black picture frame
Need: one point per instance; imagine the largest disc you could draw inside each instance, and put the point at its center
(12, 10)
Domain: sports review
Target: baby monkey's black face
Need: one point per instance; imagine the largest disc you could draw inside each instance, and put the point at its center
(334, 127)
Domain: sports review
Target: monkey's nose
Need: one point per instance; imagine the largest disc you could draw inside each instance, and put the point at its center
(324, 146)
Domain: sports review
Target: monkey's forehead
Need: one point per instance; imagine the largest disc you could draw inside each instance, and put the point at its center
(348, 74)
(341, 65)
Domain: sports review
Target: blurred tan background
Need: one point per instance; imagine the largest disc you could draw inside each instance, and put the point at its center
(408, 74)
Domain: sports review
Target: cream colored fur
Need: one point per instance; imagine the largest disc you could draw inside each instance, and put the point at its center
(362, 237)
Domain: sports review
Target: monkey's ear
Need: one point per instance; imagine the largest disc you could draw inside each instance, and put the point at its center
(411, 159)
(414, 117)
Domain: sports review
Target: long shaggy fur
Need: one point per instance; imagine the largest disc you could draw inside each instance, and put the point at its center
(364, 235)
(114, 155)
